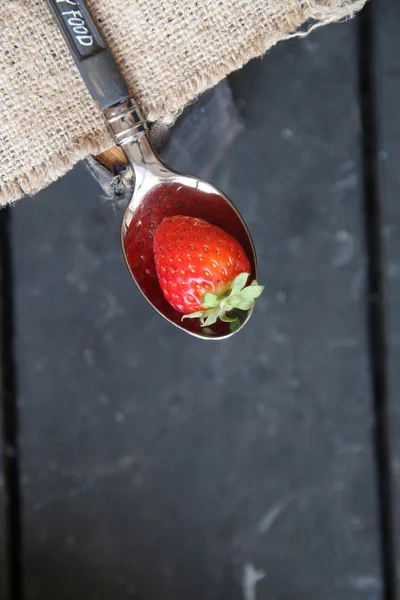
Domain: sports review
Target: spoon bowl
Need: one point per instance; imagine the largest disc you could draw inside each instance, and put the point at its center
(178, 195)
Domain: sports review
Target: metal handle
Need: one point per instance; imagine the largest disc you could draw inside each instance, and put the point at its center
(90, 52)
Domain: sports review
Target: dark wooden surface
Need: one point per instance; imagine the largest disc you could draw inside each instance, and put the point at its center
(5, 447)
(303, 201)
(388, 80)
(154, 466)
(3, 550)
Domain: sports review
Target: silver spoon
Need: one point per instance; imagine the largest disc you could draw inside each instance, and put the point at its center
(159, 192)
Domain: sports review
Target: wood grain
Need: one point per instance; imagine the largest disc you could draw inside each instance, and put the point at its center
(112, 158)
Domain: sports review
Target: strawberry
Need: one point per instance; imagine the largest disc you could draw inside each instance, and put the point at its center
(202, 270)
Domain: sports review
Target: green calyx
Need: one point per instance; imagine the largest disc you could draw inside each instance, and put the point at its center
(240, 297)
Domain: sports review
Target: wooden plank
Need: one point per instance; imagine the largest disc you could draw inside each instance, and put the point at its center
(4, 580)
(387, 15)
(3, 553)
(156, 466)
(310, 239)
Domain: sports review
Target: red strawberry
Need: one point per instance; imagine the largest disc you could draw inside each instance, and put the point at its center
(202, 269)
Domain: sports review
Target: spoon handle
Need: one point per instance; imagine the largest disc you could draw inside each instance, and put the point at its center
(90, 52)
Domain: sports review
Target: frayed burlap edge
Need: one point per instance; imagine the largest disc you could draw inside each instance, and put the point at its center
(315, 15)
(37, 178)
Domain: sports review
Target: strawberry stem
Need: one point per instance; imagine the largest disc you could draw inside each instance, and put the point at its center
(239, 296)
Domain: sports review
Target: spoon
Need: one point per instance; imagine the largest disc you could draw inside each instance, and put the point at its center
(159, 192)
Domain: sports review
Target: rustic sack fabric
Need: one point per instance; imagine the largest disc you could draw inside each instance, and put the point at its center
(168, 50)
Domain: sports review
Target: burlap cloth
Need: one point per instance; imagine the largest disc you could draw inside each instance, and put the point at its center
(169, 52)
